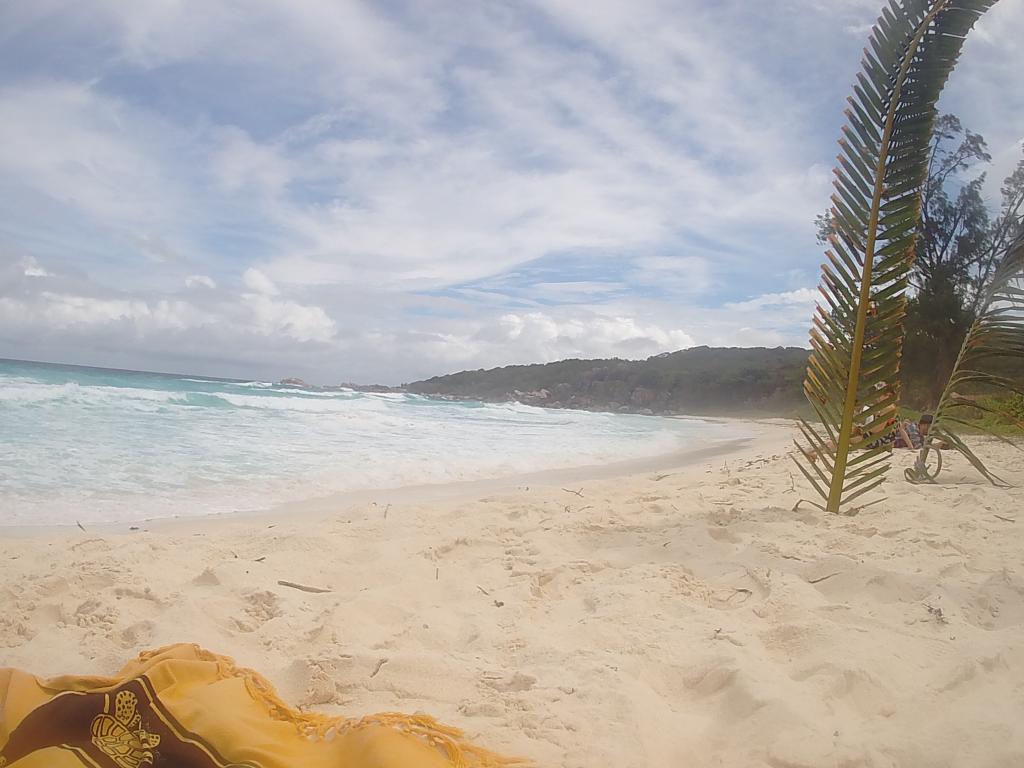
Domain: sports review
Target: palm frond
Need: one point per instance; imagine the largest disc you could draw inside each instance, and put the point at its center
(997, 332)
(857, 333)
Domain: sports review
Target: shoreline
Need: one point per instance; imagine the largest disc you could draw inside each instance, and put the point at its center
(766, 432)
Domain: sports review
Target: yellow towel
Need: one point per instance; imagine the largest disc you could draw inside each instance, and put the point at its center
(183, 707)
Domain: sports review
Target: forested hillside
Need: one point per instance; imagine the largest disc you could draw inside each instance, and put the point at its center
(701, 380)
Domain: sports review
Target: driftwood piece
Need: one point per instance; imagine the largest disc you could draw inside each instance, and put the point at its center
(303, 587)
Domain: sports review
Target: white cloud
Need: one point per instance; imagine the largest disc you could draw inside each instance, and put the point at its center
(303, 323)
(61, 311)
(256, 280)
(88, 152)
(200, 280)
(335, 165)
(551, 338)
(32, 268)
(804, 298)
(241, 164)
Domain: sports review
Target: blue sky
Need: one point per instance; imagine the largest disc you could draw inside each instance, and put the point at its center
(385, 191)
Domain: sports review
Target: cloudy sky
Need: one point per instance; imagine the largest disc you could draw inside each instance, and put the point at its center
(382, 191)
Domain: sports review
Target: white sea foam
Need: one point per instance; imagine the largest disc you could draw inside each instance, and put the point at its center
(105, 445)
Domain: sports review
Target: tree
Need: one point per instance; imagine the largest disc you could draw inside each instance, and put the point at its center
(857, 336)
(958, 251)
(952, 232)
(996, 334)
(958, 247)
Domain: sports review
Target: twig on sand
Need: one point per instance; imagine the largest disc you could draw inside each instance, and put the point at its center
(79, 525)
(483, 590)
(1006, 519)
(822, 578)
(386, 511)
(578, 493)
(303, 587)
(380, 663)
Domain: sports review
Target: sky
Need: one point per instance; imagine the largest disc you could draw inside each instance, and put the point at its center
(384, 191)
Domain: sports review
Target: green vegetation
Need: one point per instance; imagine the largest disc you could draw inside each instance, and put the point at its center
(857, 336)
(701, 380)
(706, 381)
(996, 333)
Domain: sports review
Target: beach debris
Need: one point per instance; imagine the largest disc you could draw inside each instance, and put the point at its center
(498, 604)
(303, 587)
(483, 590)
(578, 493)
(376, 669)
(260, 559)
(936, 613)
(820, 579)
(1005, 519)
(386, 511)
(79, 525)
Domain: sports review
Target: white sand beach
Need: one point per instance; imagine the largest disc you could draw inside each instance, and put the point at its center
(673, 617)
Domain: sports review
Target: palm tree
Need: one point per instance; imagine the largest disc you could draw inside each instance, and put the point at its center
(857, 333)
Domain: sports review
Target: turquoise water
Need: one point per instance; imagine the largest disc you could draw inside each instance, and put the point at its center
(91, 444)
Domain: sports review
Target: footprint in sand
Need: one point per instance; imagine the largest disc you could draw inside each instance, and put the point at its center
(996, 604)
(517, 683)
(138, 635)
(854, 688)
(260, 607)
(727, 589)
(15, 632)
(314, 682)
(543, 585)
(93, 613)
(138, 594)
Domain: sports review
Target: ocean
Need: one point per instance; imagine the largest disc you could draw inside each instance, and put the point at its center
(96, 445)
